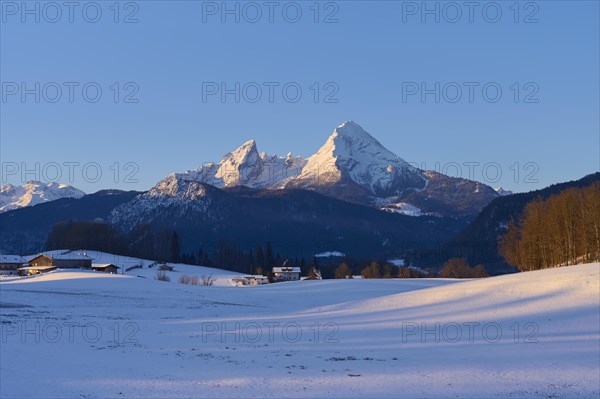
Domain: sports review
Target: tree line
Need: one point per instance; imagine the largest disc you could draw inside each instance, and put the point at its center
(164, 245)
(453, 268)
(559, 231)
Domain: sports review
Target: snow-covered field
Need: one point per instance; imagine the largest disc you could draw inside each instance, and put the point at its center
(85, 334)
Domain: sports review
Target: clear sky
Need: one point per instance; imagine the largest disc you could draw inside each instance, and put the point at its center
(368, 61)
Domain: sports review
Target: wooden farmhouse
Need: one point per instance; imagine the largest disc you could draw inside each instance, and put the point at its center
(45, 263)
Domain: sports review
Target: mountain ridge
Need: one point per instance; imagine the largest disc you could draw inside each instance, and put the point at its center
(352, 166)
(33, 193)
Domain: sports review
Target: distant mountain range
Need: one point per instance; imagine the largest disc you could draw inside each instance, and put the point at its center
(33, 193)
(334, 197)
(331, 201)
(351, 166)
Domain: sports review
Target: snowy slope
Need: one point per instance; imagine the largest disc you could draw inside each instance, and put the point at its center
(33, 193)
(189, 194)
(402, 208)
(359, 338)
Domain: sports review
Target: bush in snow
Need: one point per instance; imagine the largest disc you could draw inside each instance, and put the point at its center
(195, 280)
(162, 276)
(207, 280)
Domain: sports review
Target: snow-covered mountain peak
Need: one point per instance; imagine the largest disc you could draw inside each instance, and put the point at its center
(245, 166)
(242, 166)
(33, 193)
(247, 152)
(352, 153)
(351, 165)
(350, 129)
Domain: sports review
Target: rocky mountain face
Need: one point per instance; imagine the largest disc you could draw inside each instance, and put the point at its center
(247, 167)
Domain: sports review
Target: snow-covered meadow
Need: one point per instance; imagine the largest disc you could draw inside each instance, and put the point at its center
(87, 334)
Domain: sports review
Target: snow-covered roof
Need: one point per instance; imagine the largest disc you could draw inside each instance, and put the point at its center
(286, 270)
(11, 259)
(71, 256)
(103, 265)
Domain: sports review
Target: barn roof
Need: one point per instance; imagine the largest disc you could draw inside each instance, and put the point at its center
(103, 265)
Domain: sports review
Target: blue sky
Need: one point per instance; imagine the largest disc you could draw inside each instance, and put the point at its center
(366, 61)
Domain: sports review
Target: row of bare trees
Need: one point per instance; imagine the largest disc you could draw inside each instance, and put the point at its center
(559, 231)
